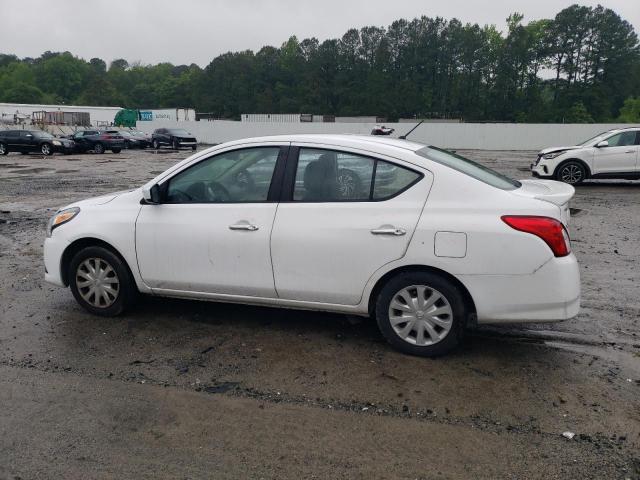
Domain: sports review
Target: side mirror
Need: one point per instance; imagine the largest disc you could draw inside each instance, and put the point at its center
(603, 143)
(151, 195)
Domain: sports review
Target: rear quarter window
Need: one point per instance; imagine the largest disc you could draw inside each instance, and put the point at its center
(469, 167)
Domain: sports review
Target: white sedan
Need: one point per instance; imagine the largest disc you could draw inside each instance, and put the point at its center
(422, 239)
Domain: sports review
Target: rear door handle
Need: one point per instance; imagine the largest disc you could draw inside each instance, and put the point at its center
(244, 226)
(389, 231)
(630, 151)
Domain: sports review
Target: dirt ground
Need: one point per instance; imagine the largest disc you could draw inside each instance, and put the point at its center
(189, 390)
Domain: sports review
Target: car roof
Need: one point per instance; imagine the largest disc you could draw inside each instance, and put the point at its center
(345, 140)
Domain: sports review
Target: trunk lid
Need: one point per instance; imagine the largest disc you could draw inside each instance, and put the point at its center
(558, 193)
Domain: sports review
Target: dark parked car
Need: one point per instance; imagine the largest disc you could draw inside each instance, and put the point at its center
(98, 141)
(174, 138)
(27, 141)
(132, 138)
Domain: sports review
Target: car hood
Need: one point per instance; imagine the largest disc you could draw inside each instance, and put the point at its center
(101, 200)
(558, 149)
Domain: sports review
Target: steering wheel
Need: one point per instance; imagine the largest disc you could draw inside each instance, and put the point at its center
(217, 192)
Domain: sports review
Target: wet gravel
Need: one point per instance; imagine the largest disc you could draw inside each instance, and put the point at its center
(187, 389)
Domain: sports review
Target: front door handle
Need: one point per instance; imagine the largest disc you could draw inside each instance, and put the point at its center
(244, 226)
(389, 231)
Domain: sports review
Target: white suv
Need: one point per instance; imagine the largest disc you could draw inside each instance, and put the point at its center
(612, 154)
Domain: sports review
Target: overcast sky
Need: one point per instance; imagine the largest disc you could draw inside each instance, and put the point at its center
(195, 31)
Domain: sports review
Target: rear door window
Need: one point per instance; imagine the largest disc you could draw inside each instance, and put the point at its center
(332, 176)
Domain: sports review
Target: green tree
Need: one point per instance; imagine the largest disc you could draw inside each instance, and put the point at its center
(630, 111)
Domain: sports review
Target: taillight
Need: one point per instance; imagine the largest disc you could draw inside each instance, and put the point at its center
(548, 229)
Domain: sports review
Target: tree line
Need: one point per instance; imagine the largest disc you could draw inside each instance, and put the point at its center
(581, 66)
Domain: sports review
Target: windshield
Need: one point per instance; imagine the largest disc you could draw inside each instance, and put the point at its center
(595, 139)
(178, 131)
(469, 167)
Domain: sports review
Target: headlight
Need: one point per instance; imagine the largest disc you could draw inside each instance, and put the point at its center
(61, 217)
(549, 156)
(57, 142)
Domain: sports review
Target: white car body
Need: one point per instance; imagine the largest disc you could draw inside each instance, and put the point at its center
(612, 154)
(323, 256)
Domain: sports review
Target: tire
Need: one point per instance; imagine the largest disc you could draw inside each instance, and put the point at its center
(155, 144)
(122, 291)
(116, 150)
(438, 293)
(571, 172)
(46, 149)
(4, 150)
(176, 145)
(194, 148)
(98, 148)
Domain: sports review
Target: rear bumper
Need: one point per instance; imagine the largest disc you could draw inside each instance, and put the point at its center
(550, 294)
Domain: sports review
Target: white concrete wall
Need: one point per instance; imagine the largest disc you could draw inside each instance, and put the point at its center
(482, 136)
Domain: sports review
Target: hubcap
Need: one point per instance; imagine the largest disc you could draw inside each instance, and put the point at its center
(420, 315)
(97, 282)
(571, 174)
(45, 149)
(1, 149)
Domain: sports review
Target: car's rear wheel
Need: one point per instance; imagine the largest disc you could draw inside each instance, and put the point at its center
(421, 313)
(571, 172)
(100, 281)
(98, 148)
(176, 144)
(46, 149)
(155, 144)
(116, 150)
(4, 150)
(193, 148)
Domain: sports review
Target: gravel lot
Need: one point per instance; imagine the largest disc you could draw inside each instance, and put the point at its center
(186, 389)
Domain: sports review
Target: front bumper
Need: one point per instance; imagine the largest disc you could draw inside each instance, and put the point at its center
(550, 294)
(54, 247)
(62, 148)
(540, 170)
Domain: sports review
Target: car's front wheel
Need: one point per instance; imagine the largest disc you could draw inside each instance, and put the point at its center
(100, 281)
(4, 150)
(116, 150)
(46, 149)
(421, 313)
(571, 172)
(98, 148)
(155, 144)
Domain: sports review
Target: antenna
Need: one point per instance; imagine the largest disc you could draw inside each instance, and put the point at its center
(404, 137)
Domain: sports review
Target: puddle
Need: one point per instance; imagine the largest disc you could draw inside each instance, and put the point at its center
(628, 362)
(33, 170)
(11, 165)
